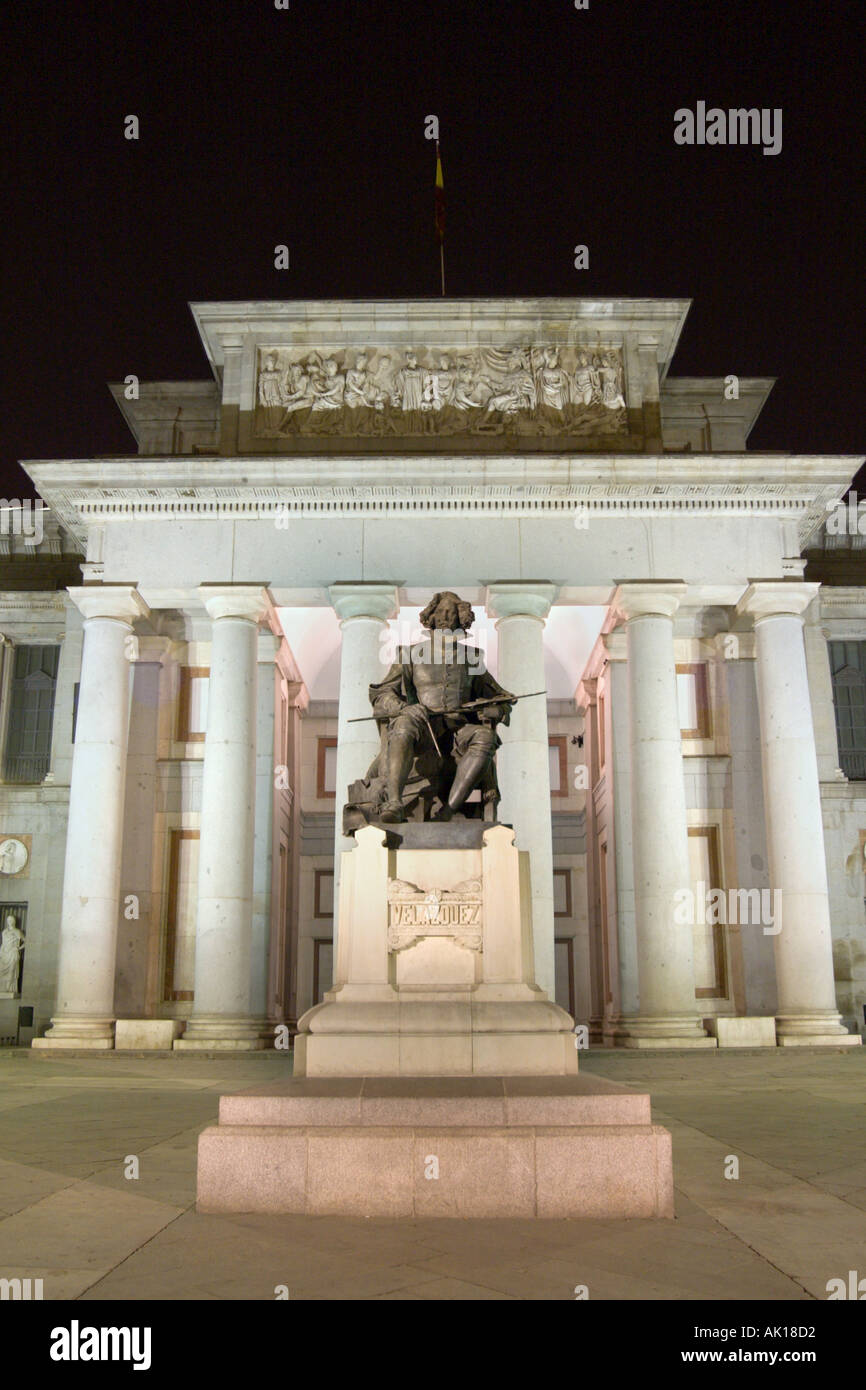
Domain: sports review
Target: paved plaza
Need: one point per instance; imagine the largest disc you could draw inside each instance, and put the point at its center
(793, 1219)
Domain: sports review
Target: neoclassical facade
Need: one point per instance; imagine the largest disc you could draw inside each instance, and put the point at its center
(188, 649)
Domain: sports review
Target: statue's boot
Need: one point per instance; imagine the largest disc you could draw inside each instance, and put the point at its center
(400, 754)
(470, 770)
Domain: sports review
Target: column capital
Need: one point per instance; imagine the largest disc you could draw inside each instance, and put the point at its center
(520, 598)
(122, 602)
(250, 601)
(296, 693)
(364, 600)
(649, 598)
(777, 597)
(586, 693)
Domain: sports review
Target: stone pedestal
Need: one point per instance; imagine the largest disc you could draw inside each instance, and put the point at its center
(743, 1032)
(561, 1147)
(146, 1034)
(435, 973)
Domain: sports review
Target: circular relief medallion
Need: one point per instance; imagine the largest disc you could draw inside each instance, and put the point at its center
(13, 856)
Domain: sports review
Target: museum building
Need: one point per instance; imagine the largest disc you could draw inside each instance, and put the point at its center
(189, 634)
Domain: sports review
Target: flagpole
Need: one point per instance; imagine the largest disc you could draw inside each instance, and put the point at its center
(440, 216)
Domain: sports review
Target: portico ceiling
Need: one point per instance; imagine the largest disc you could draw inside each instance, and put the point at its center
(314, 637)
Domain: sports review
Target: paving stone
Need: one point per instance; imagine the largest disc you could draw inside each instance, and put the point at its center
(794, 1218)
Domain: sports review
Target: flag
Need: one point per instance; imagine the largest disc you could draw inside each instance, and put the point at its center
(439, 216)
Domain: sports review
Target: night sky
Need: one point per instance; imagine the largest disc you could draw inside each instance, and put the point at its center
(305, 126)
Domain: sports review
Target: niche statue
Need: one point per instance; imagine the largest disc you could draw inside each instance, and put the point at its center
(437, 711)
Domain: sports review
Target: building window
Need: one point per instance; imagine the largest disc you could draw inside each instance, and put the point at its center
(192, 704)
(326, 768)
(183, 848)
(563, 959)
(323, 966)
(710, 956)
(31, 714)
(323, 893)
(693, 698)
(562, 892)
(848, 668)
(558, 752)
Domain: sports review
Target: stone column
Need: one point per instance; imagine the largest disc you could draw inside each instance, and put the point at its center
(267, 760)
(523, 763)
(795, 831)
(668, 1014)
(138, 933)
(363, 610)
(586, 700)
(625, 973)
(84, 1016)
(222, 1017)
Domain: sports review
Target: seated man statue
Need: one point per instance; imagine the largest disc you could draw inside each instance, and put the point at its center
(437, 710)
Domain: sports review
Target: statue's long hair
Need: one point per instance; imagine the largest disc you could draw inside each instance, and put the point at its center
(465, 613)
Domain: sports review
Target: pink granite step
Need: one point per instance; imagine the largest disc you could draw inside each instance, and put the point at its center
(589, 1171)
(410, 1101)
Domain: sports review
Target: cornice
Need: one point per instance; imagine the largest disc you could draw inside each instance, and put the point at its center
(84, 493)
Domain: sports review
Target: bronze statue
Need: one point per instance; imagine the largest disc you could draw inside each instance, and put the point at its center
(437, 711)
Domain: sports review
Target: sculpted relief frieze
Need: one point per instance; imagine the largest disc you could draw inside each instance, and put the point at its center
(532, 390)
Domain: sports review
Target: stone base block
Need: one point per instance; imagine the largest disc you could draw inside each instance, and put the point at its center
(146, 1034)
(547, 1147)
(666, 1044)
(73, 1044)
(821, 1040)
(743, 1032)
(424, 1038)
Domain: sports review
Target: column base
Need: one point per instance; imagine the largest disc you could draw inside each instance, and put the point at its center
(78, 1031)
(663, 1031)
(224, 1033)
(822, 1029)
